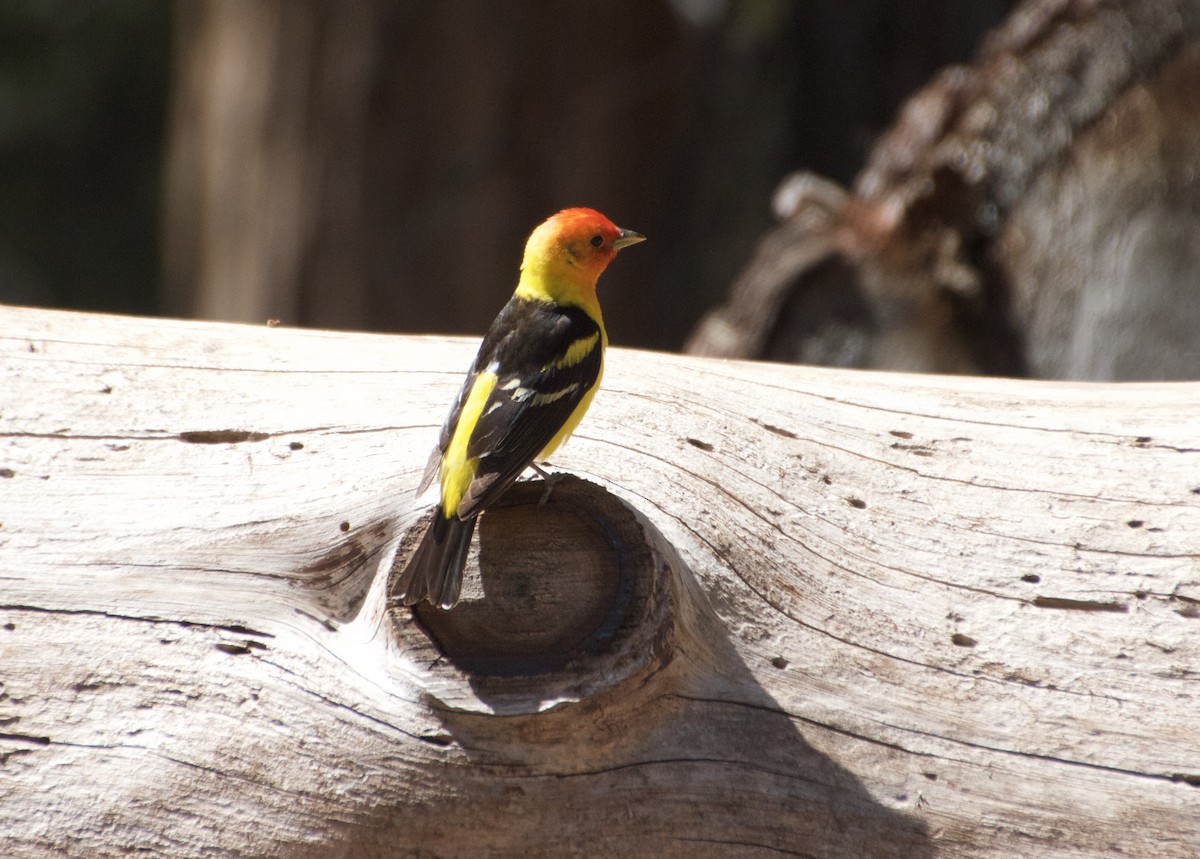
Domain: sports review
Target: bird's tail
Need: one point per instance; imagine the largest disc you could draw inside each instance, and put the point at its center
(434, 571)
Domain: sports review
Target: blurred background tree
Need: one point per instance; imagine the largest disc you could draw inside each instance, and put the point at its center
(376, 165)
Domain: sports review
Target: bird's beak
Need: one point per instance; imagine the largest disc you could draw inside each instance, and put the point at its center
(626, 238)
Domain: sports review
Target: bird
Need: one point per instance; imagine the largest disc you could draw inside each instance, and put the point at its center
(531, 382)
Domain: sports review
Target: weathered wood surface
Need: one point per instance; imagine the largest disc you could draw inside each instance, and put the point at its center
(883, 615)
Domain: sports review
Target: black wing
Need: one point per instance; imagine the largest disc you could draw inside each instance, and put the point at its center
(535, 393)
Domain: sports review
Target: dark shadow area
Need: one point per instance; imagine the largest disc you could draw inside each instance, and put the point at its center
(555, 601)
(554, 592)
(82, 114)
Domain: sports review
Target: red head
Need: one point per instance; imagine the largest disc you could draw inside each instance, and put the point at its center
(575, 245)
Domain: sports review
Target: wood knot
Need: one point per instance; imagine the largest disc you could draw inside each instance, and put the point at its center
(560, 600)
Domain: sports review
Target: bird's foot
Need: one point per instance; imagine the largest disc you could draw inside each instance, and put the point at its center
(550, 480)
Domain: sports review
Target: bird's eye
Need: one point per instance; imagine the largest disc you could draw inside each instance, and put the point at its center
(597, 241)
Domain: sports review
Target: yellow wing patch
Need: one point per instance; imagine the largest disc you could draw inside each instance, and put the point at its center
(576, 352)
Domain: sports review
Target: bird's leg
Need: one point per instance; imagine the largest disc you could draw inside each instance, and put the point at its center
(549, 479)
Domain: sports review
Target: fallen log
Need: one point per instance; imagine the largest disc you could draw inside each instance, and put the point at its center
(776, 610)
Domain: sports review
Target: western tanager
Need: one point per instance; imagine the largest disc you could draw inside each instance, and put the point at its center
(535, 375)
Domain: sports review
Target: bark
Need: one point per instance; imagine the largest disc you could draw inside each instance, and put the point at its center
(1033, 213)
(776, 610)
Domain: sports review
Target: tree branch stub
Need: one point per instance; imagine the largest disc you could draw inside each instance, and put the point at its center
(562, 599)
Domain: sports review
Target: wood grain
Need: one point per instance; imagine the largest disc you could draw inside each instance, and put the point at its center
(883, 615)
